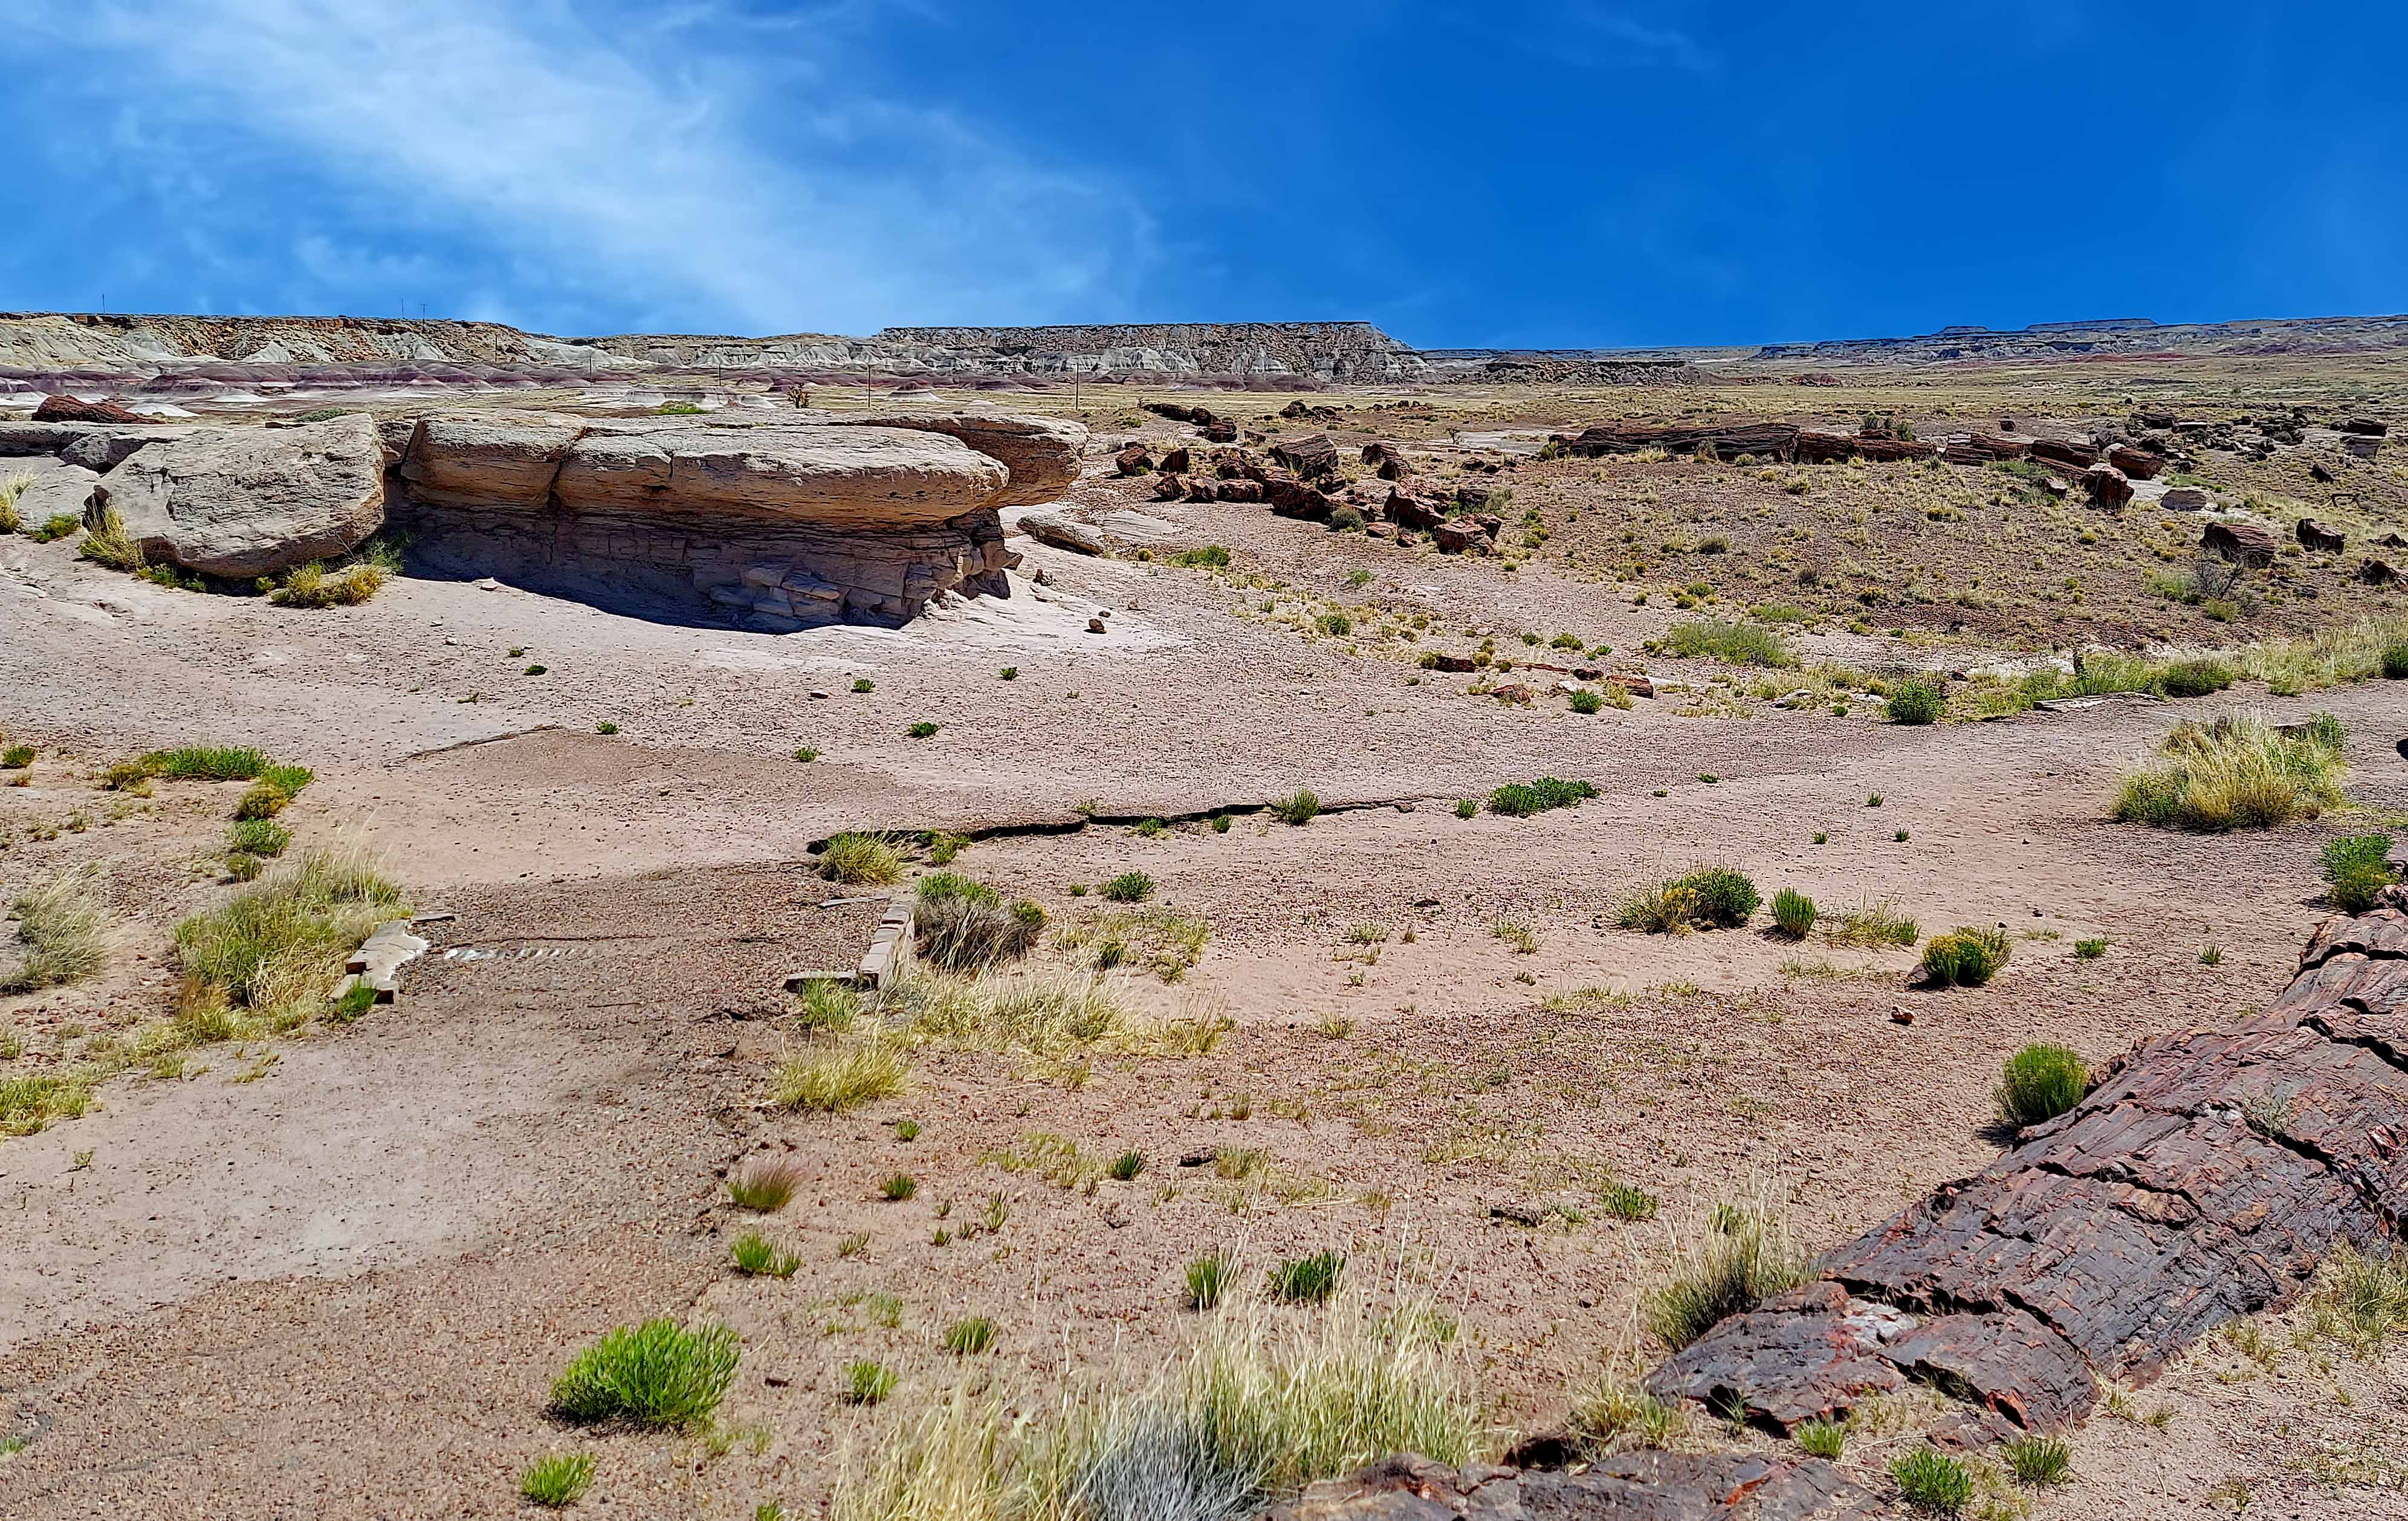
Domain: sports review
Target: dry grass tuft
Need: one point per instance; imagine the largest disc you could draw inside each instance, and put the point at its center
(2235, 772)
(272, 953)
(1742, 1255)
(61, 933)
(842, 1080)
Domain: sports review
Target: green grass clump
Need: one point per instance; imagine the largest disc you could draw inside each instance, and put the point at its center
(258, 836)
(763, 1183)
(1129, 887)
(1586, 701)
(2039, 1460)
(1743, 1257)
(1932, 1483)
(1520, 799)
(2193, 677)
(1823, 1440)
(1126, 1167)
(921, 730)
(11, 490)
(62, 934)
(1624, 1202)
(2395, 661)
(1614, 1417)
(1875, 925)
(755, 1258)
(1793, 912)
(861, 860)
(658, 1373)
(2090, 949)
(1916, 702)
(207, 763)
(866, 1383)
(969, 1336)
(841, 1081)
(2235, 772)
(277, 948)
(1297, 810)
(1308, 1279)
(1203, 557)
(2360, 1299)
(1207, 1280)
(106, 542)
(2039, 1083)
(961, 925)
(1965, 956)
(1711, 898)
(2357, 868)
(557, 1480)
(1732, 643)
(28, 1104)
(58, 525)
(16, 757)
(313, 585)
(901, 1186)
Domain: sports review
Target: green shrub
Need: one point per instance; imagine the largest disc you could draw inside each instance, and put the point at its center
(2195, 678)
(1203, 557)
(2039, 1083)
(1465, 808)
(1624, 1202)
(1917, 701)
(16, 757)
(1666, 907)
(658, 1373)
(1520, 799)
(1129, 887)
(921, 730)
(2395, 661)
(1965, 956)
(899, 1188)
(2236, 773)
(59, 525)
(557, 1480)
(1308, 1279)
(1727, 899)
(207, 763)
(2038, 1460)
(1732, 643)
(1299, 810)
(841, 1081)
(106, 542)
(312, 587)
(1794, 913)
(2358, 868)
(866, 1383)
(1586, 701)
(861, 860)
(1932, 1483)
(259, 836)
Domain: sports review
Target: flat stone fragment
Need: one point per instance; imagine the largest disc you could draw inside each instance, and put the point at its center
(245, 502)
(377, 962)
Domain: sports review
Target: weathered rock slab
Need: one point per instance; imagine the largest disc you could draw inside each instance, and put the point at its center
(245, 502)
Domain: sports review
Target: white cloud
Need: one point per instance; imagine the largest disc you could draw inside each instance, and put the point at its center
(1618, 39)
(690, 167)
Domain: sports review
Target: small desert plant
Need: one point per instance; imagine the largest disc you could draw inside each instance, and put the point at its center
(1203, 557)
(2395, 661)
(899, 1187)
(1207, 1280)
(921, 730)
(763, 1183)
(756, 1258)
(969, 1336)
(1299, 809)
(2235, 772)
(12, 489)
(1741, 1256)
(863, 683)
(16, 757)
(313, 585)
(806, 755)
(1520, 799)
(1665, 909)
(1875, 924)
(1794, 913)
(207, 763)
(1965, 956)
(866, 1383)
(841, 1081)
(29, 1104)
(1931, 1482)
(2211, 954)
(2039, 1460)
(1822, 1440)
(1714, 898)
(2039, 1083)
(1613, 1417)
(828, 1005)
(557, 1480)
(258, 836)
(972, 927)
(1129, 887)
(2357, 868)
(2360, 1298)
(277, 948)
(1916, 701)
(1624, 1202)
(2090, 949)
(1308, 1279)
(861, 860)
(58, 525)
(1465, 808)
(62, 934)
(1732, 643)
(658, 1373)
(1586, 701)
(1125, 1167)
(106, 542)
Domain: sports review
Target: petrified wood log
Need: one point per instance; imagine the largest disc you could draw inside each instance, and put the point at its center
(1816, 447)
(2242, 543)
(2202, 1179)
(1765, 440)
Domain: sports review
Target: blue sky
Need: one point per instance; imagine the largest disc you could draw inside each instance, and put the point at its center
(1551, 173)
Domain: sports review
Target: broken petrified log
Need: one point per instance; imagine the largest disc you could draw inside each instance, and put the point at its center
(1310, 457)
(1984, 448)
(1628, 1487)
(2202, 1180)
(1413, 511)
(2242, 543)
(2138, 464)
(64, 408)
(1765, 440)
(1060, 532)
(1133, 460)
(2315, 535)
(2107, 486)
(2065, 453)
(1819, 447)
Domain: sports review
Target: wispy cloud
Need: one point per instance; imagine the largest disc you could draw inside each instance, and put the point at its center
(1603, 35)
(697, 161)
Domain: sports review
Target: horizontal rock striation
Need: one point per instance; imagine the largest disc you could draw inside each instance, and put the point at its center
(2202, 1180)
(776, 525)
(1627, 1486)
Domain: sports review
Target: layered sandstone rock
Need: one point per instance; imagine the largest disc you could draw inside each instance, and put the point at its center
(245, 502)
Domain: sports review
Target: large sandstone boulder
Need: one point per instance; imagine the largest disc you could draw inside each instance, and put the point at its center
(838, 477)
(492, 458)
(1041, 453)
(95, 446)
(245, 502)
(58, 488)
